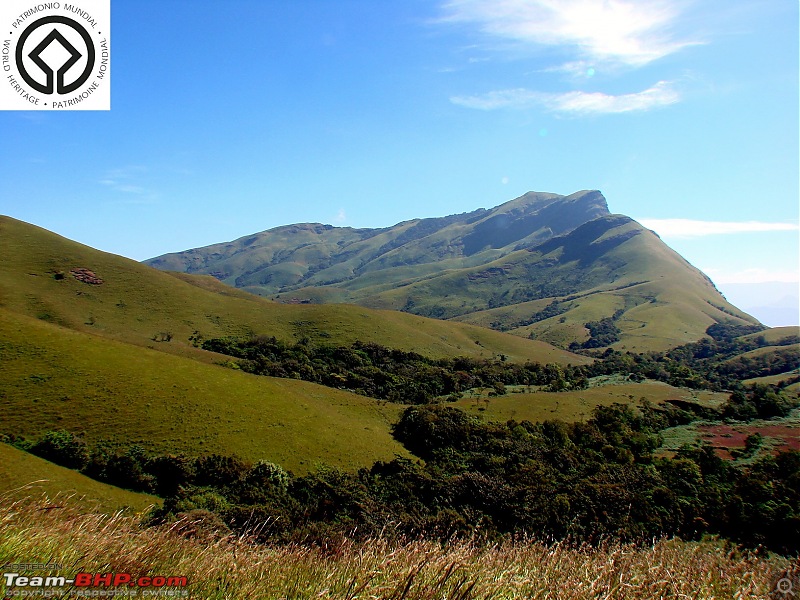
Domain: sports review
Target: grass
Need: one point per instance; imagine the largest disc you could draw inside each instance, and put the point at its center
(792, 389)
(761, 352)
(55, 378)
(23, 474)
(234, 568)
(577, 405)
(776, 334)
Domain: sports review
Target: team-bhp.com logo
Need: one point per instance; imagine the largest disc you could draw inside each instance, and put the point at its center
(92, 585)
(55, 55)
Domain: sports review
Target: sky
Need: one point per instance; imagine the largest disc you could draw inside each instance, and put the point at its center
(229, 118)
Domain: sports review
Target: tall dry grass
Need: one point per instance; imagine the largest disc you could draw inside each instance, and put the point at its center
(46, 531)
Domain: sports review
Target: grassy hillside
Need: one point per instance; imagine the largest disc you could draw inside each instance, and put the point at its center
(54, 378)
(776, 334)
(135, 303)
(23, 475)
(312, 254)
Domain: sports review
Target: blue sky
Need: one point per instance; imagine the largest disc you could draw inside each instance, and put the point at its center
(234, 117)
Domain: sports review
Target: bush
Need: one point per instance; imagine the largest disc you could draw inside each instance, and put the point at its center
(62, 448)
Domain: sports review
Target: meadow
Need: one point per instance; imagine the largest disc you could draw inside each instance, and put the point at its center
(577, 405)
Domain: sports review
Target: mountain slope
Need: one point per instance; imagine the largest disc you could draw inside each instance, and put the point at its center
(313, 254)
(611, 268)
(540, 266)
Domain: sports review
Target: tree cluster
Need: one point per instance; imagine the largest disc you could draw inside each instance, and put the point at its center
(408, 377)
(395, 375)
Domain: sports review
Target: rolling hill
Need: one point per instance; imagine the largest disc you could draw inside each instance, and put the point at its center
(541, 266)
(102, 347)
(55, 378)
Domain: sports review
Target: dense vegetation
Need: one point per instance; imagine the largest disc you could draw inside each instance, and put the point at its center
(379, 372)
(585, 481)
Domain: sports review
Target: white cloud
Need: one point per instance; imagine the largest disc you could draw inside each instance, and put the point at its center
(340, 217)
(574, 102)
(628, 32)
(518, 98)
(685, 228)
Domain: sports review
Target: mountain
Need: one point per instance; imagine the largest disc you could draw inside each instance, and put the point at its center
(562, 269)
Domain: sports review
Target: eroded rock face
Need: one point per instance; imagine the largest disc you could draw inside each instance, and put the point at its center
(86, 276)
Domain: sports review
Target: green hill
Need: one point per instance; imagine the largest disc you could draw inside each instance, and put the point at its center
(569, 406)
(648, 292)
(540, 266)
(54, 378)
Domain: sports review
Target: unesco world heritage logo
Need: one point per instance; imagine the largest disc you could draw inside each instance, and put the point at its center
(55, 55)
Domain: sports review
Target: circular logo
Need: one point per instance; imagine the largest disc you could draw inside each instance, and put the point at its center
(55, 55)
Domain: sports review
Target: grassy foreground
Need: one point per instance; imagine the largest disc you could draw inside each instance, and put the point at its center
(229, 568)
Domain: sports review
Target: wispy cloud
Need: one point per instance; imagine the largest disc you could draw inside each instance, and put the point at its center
(575, 102)
(685, 228)
(589, 36)
(576, 69)
(627, 32)
(126, 180)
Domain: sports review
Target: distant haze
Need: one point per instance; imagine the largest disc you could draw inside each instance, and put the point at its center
(774, 303)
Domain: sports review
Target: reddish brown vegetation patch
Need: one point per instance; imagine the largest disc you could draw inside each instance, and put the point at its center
(86, 276)
(725, 438)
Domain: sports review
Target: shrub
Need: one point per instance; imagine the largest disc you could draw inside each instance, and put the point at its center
(63, 448)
